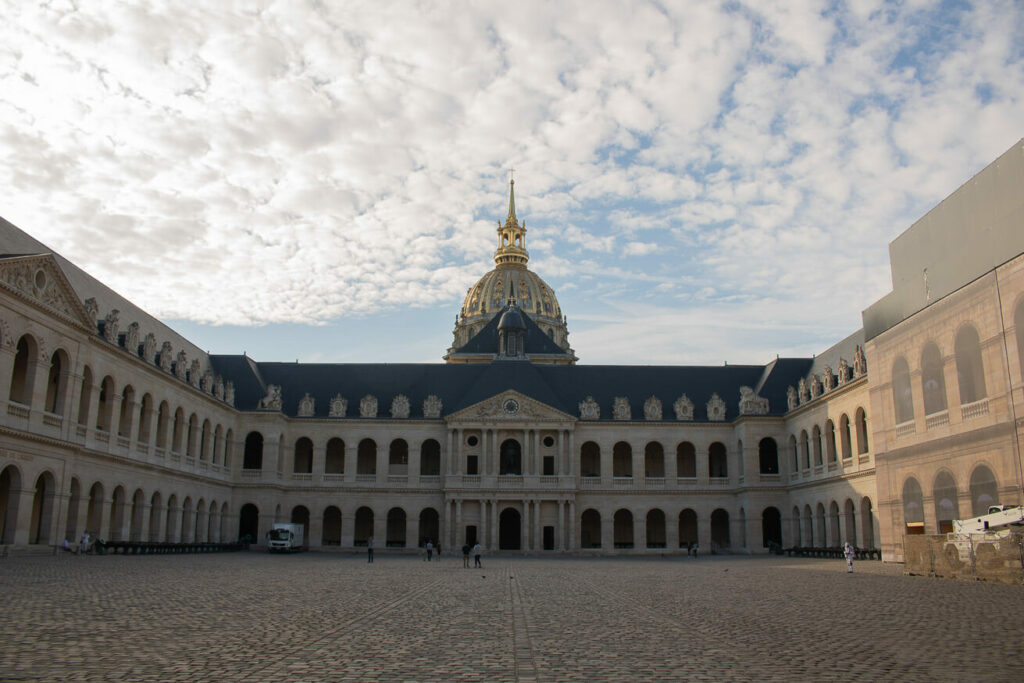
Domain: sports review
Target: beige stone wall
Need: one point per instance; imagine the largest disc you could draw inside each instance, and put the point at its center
(953, 443)
(971, 557)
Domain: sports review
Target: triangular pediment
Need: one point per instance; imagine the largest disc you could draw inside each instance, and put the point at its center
(509, 406)
(38, 278)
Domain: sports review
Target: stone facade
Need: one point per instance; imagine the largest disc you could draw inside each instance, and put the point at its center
(99, 432)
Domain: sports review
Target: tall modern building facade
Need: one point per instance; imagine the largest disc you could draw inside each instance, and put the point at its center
(112, 423)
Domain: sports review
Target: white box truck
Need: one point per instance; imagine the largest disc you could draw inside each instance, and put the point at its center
(286, 538)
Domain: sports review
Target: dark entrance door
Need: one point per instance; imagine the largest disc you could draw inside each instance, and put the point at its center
(249, 523)
(471, 535)
(549, 538)
(509, 530)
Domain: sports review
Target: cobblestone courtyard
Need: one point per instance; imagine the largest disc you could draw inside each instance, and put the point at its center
(251, 616)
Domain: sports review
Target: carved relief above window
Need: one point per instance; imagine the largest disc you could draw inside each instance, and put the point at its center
(589, 410)
(683, 408)
(400, 406)
(194, 373)
(716, 408)
(844, 372)
(307, 406)
(368, 406)
(92, 308)
(338, 406)
(131, 339)
(652, 408)
(166, 357)
(860, 363)
(110, 324)
(272, 401)
(621, 409)
(792, 401)
(149, 348)
(181, 366)
(432, 407)
(751, 403)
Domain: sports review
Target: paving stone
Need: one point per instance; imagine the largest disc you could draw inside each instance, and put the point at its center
(252, 616)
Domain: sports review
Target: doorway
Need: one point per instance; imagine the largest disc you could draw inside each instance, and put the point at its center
(509, 530)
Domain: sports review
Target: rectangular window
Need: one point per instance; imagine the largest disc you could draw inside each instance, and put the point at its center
(549, 465)
(471, 466)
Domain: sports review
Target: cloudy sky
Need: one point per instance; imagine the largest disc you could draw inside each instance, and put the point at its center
(701, 181)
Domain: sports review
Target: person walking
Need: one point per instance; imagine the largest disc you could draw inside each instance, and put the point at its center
(848, 552)
(430, 550)
(465, 555)
(369, 550)
(477, 550)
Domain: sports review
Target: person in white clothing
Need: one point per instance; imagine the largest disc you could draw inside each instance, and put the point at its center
(848, 552)
(477, 551)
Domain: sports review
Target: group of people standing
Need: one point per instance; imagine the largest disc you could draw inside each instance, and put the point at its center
(429, 549)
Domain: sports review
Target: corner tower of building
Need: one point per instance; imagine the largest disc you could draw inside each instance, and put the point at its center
(510, 280)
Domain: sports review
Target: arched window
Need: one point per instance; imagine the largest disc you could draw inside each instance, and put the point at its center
(252, 459)
(913, 507)
(771, 527)
(430, 458)
(805, 449)
(623, 529)
(193, 436)
(398, 457)
(56, 383)
(819, 526)
(862, 431)
(816, 443)
(163, 422)
(946, 506)
(686, 460)
(590, 460)
(363, 531)
(85, 399)
(510, 457)
(687, 528)
(830, 440)
(21, 375)
(794, 452)
(846, 443)
(717, 461)
(335, 458)
(124, 419)
(768, 456)
(366, 457)
(303, 460)
(396, 528)
(903, 400)
(145, 419)
(655, 529)
(622, 460)
(720, 529)
(106, 404)
(984, 490)
(970, 373)
(654, 460)
(206, 440)
(178, 433)
(590, 529)
(331, 527)
(933, 383)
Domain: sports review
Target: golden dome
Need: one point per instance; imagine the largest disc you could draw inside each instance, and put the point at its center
(511, 281)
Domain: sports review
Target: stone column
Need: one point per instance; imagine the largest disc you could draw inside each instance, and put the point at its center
(704, 530)
(380, 530)
(315, 539)
(413, 469)
(494, 540)
(639, 463)
(524, 527)
(671, 468)
(351, 461)
(412, 531)
(538, 527)
(672, 534)
(448, 456)
(161, 524)
(82, 514)
(7, 355)
(348, 528)
(639, 531)
(25, 498)
(572, 455)
(383, 452)
(572, 526)
(560, 459)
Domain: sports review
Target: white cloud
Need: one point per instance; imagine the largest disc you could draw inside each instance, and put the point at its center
(301, 162)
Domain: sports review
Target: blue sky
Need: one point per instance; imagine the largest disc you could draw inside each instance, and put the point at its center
(701, 181)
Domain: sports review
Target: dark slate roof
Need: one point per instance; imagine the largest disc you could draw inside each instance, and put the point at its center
(536, 341)
(459, 386)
